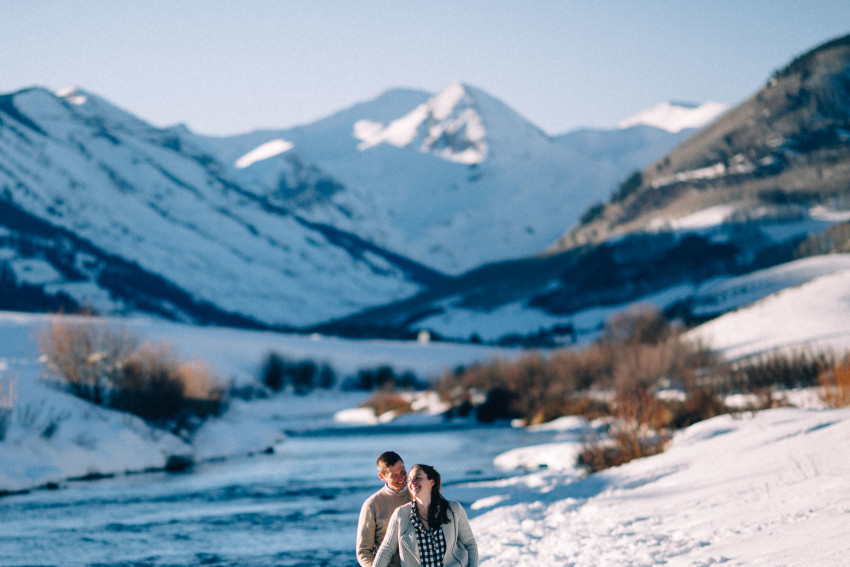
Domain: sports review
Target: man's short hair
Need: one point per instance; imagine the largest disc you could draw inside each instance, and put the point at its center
(386, 460)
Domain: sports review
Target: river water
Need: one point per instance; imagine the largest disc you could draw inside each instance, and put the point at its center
(298, 506)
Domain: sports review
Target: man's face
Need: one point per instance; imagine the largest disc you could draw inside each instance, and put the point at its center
(395, 476)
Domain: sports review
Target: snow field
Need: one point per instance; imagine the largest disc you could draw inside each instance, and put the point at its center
(765, 489)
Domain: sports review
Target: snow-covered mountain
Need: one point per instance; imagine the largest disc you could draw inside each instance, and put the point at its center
(764, 185)
(677, 116)
(451, 180)
(105, 209)
(285, 228)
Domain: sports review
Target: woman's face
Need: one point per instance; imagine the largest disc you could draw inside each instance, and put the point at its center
(418, 483)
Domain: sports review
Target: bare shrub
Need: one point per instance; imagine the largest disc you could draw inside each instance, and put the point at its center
(699, 404)
(597, 455)
(835, 385)
(7, 403)
(382, 402)
(87, 355)
(155, 385)
(795, 370)
(534, 388)
(641, 323)
(638, 354)
(105, 366)
(499, 404)
(303, 375)
(274, 372)
(631, 434)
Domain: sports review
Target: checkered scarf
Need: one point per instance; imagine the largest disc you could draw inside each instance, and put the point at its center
(432, 543)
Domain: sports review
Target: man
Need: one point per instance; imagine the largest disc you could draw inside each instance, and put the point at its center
(376, 511)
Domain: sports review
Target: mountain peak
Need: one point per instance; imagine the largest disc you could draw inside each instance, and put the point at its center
(448, 125)
(676, 116)
(461, 123)
(72, 95)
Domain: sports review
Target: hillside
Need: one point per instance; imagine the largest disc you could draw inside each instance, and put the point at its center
(452, 180)
(281, 229)
(764, 185)
(779, 154)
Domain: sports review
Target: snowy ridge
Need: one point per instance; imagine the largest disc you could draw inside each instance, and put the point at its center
(455, 180)
(263, 152)
(676, 116)
(447, 125)
(741, 296)
(811, 316)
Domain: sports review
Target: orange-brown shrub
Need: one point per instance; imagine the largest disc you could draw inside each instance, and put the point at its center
(638, 350)
(87, 355)
(623, 447)
(105, 366)
(155, 385)
(785, 370)
(835, 385)
(700, 403)
(382, 402)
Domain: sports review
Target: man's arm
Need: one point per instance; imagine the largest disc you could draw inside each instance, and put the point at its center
(366, 527)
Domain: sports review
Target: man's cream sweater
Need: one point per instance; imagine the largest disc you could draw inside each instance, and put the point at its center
(374, 518)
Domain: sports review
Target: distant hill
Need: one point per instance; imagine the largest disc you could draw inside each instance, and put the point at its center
(781, 152)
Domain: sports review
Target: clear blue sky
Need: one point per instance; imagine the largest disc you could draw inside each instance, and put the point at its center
(230, 67)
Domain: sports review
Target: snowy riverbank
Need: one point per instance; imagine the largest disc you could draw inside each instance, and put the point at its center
(751, 489)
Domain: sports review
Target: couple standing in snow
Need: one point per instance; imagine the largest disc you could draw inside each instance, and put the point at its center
(408, 522)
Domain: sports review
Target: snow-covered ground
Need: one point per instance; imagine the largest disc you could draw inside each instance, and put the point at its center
(767, 327)
(749, 489)
(814, 315)
(52, 436)
(764, 489)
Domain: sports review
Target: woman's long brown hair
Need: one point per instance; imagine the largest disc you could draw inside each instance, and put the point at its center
(438, 509)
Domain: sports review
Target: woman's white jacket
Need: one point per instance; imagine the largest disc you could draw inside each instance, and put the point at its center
(401, 540)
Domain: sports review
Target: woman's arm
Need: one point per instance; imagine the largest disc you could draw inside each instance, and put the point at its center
(389, 547)
(464, 534)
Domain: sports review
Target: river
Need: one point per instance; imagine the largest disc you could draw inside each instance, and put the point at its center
(295, 507)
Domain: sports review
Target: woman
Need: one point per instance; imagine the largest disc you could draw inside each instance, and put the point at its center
(430, 531)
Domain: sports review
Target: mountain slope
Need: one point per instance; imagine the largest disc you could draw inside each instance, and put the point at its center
(781, 152)
(152, 199)
(763, 185)
(456, 179)
(284, 228)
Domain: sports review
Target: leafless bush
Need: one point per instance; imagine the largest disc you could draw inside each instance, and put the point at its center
(303, 375)
(106, 367)
(835, 385)
(87, 355)
(7, 403)
(155, 385)
(382, 402)
(640, 422)
(785, 370)
(623, 446)
(699, 404)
